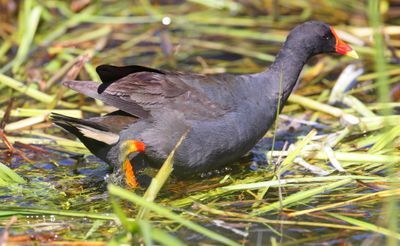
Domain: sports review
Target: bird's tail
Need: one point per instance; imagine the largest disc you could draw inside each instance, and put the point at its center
(96, 137)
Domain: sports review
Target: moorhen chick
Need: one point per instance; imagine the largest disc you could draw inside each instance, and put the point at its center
(224, 115)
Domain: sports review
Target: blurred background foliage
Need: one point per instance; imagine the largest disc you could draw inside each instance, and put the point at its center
(45, 42)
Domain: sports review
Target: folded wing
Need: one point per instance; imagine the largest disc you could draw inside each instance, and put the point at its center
(142, 91)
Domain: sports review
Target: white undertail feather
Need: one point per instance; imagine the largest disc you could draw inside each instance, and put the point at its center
(102, 136)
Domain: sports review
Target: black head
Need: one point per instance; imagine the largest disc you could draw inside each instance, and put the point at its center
(317, 37)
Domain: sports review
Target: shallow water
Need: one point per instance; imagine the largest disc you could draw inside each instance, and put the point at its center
(61, 185)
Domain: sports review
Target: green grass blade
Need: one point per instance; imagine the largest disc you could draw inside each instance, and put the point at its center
(164, 238)
(127, 195)
(11, 175)
(31, 25)
(300, 196)
(288, 162)
(145, 229)
(123, 219)
(27, 90)
(161, 177)
(284, 182)
(367, 226)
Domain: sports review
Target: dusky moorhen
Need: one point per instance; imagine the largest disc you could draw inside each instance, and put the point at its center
(224, 115)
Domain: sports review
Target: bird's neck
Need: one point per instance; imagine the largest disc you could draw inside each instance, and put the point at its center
(282, 75)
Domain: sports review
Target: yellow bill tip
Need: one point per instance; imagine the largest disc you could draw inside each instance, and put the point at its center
(352, 54)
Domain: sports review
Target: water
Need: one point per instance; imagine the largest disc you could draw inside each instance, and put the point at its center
(56, 183)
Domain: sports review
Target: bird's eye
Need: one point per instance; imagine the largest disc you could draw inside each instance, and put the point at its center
(325, 37)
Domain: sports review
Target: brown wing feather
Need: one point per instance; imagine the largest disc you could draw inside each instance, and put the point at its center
(89, 88)
(143, 92)
(153, 91)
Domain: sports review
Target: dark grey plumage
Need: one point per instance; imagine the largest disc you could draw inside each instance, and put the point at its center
(225, 115)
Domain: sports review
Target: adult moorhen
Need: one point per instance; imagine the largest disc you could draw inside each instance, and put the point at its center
(224, 115)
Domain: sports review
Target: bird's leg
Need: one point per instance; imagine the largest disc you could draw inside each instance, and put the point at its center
(126, 148)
